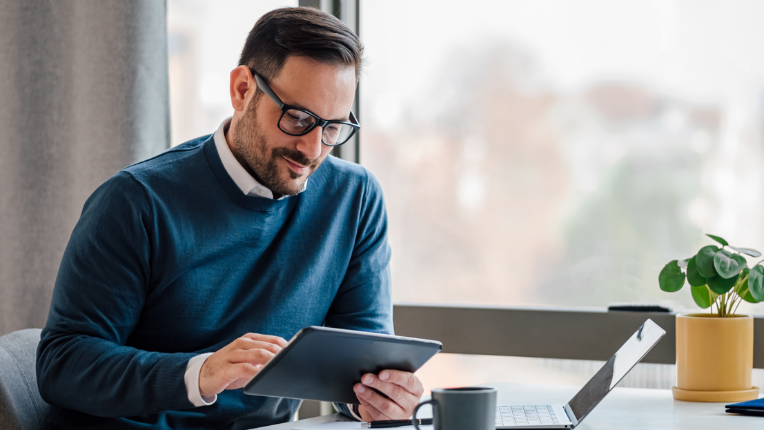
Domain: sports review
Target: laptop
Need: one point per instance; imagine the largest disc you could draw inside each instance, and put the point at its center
(570, 415)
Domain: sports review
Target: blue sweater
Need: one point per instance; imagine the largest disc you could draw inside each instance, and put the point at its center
(170, 259)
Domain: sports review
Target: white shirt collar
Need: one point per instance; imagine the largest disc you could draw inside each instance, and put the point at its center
(246, 183)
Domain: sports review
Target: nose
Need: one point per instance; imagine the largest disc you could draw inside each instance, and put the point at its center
(310, 144)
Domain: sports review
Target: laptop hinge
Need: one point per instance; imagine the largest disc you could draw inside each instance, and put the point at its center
(570, 414)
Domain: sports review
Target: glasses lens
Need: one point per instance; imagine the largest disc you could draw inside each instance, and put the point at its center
(295, 121)
(337, 134)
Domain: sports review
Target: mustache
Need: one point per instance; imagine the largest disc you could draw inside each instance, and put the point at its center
(296, 156)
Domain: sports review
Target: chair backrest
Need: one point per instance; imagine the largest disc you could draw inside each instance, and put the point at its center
(21, 407)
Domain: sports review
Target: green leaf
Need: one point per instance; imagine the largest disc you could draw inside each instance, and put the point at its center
(742, 288)
(727, 264)
(747, 251)
(721, 285)
(756, 282)
(703, 296)
(740, 261)
(718, 239)
(693, 276)
(705, 260)
(671, 278)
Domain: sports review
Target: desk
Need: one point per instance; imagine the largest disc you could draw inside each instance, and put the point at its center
(623, 408)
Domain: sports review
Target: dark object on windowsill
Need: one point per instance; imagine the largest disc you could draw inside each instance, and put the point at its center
(637, 307)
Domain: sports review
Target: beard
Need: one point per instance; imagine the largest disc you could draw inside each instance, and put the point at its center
(252, 146)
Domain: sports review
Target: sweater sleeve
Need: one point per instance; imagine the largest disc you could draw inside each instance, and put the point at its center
(83, 362)
(364, 299)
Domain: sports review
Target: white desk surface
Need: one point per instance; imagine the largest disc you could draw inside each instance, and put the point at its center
(623, 408)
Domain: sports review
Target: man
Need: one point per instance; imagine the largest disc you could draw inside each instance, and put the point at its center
(187, 271)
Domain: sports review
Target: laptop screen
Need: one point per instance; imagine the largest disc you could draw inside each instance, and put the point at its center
(638, 345)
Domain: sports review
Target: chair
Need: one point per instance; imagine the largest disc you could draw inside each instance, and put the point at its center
(21, 407)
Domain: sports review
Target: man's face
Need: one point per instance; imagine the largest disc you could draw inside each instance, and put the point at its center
(279, 161)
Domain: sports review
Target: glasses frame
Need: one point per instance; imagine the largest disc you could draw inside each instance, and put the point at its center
(320, 122)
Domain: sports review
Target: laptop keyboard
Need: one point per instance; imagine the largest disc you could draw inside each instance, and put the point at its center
(526, 415)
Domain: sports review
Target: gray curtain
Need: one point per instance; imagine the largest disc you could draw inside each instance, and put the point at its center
(83, 93)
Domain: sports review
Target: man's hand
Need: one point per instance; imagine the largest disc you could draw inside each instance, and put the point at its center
(403, 391)
(231, 367)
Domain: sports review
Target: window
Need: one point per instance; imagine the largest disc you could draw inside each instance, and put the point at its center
(557, 152)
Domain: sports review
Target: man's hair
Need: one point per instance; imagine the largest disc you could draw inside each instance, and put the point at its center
(303, 32)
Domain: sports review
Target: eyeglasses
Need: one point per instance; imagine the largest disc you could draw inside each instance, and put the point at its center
(295, 121)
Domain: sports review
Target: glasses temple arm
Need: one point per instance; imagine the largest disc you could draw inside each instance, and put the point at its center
(267, 90)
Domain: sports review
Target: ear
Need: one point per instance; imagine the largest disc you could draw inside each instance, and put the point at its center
(242, 87)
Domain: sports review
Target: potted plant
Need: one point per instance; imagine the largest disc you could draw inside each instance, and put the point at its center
(714, 350)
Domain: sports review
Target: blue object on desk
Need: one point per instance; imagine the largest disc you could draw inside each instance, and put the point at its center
(751, 407)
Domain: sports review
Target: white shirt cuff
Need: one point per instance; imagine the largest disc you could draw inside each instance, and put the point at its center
(191, 377)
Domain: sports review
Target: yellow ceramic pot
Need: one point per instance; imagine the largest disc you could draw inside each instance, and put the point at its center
(714, 358)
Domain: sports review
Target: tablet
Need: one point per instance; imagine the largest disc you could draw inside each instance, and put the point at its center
(323, 363)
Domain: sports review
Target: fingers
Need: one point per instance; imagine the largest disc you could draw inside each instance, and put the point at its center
(387, 407)
(407, 380)
(252, 356)
(395, 393)
(368, 412)
(403, 391)
(230, 367)
(253, 351)
(267, 338)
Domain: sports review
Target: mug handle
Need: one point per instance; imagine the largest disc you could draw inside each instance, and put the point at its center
(414, 419)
